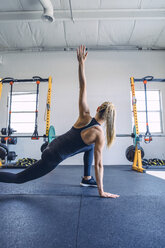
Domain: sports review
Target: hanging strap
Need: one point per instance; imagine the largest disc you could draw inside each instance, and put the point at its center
(10, 104)
(147, 136)
(35, 134)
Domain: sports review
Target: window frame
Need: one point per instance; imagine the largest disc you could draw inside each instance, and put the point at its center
(161, 110)
(19, 112)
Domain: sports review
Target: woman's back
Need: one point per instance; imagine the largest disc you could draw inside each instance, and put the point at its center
(71, 142)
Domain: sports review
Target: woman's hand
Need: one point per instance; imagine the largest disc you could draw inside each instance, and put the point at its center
(108, 195)
(81, 54)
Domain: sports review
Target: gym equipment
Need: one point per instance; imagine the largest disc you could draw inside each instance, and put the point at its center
(9, 123)
(48, 106)
(149, 78)
(51, 134)
(35, 134)
(10, 131)
(3, 140)
(154, 163)
(117, 135)
(12, 141)
(137, 162)
(136, 138)
(130, 152)
(50, 137)
(8, 80)
(11, 156)
(36, 79)
(7, 132)
(147, 137)
(24, 162)
(3, 151)
(4, 131)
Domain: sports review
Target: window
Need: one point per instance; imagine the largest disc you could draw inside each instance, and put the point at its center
(23, 112)
(154, 111)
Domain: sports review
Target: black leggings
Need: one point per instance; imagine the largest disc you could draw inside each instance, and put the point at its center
(88, 160)
(38, 169)
(42, 167)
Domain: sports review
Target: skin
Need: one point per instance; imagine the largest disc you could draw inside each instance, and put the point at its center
(94, 134)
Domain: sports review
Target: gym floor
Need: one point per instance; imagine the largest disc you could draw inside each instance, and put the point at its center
(54, 211)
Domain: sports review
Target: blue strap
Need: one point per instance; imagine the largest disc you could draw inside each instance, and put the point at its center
(147, 136)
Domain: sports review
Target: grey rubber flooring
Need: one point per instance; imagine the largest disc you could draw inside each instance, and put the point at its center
(54, 211)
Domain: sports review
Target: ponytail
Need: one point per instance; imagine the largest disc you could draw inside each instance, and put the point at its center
(110, 124)
(107, 112)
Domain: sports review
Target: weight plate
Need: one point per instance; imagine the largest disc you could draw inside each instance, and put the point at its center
(51, 135)
(130, 151)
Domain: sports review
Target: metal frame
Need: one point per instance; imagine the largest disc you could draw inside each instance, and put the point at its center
(160, 112)
(137, 163)
(149, 79)
(158, 80)
(33, 80)
(43, 136)
(17, 112)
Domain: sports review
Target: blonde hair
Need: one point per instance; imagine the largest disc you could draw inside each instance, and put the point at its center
(107, 112)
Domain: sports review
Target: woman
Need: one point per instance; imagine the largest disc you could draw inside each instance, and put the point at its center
(85, 136)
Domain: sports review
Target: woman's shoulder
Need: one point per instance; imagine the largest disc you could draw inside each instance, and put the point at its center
(81, 122)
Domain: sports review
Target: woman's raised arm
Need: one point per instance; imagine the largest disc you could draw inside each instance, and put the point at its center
(83, 105)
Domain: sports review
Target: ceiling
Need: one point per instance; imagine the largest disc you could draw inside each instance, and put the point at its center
(99, 24)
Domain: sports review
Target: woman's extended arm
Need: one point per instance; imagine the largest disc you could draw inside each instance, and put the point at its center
(99, 168)
(83, 106)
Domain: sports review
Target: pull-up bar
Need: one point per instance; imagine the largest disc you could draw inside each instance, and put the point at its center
(149, 79)
(37, 80)
(33, 79)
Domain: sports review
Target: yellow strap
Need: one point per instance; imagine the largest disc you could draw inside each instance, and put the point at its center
(137, 163)
(134, 105)
(48, 105)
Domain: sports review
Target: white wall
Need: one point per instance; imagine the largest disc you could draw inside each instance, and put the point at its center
(108, 78)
